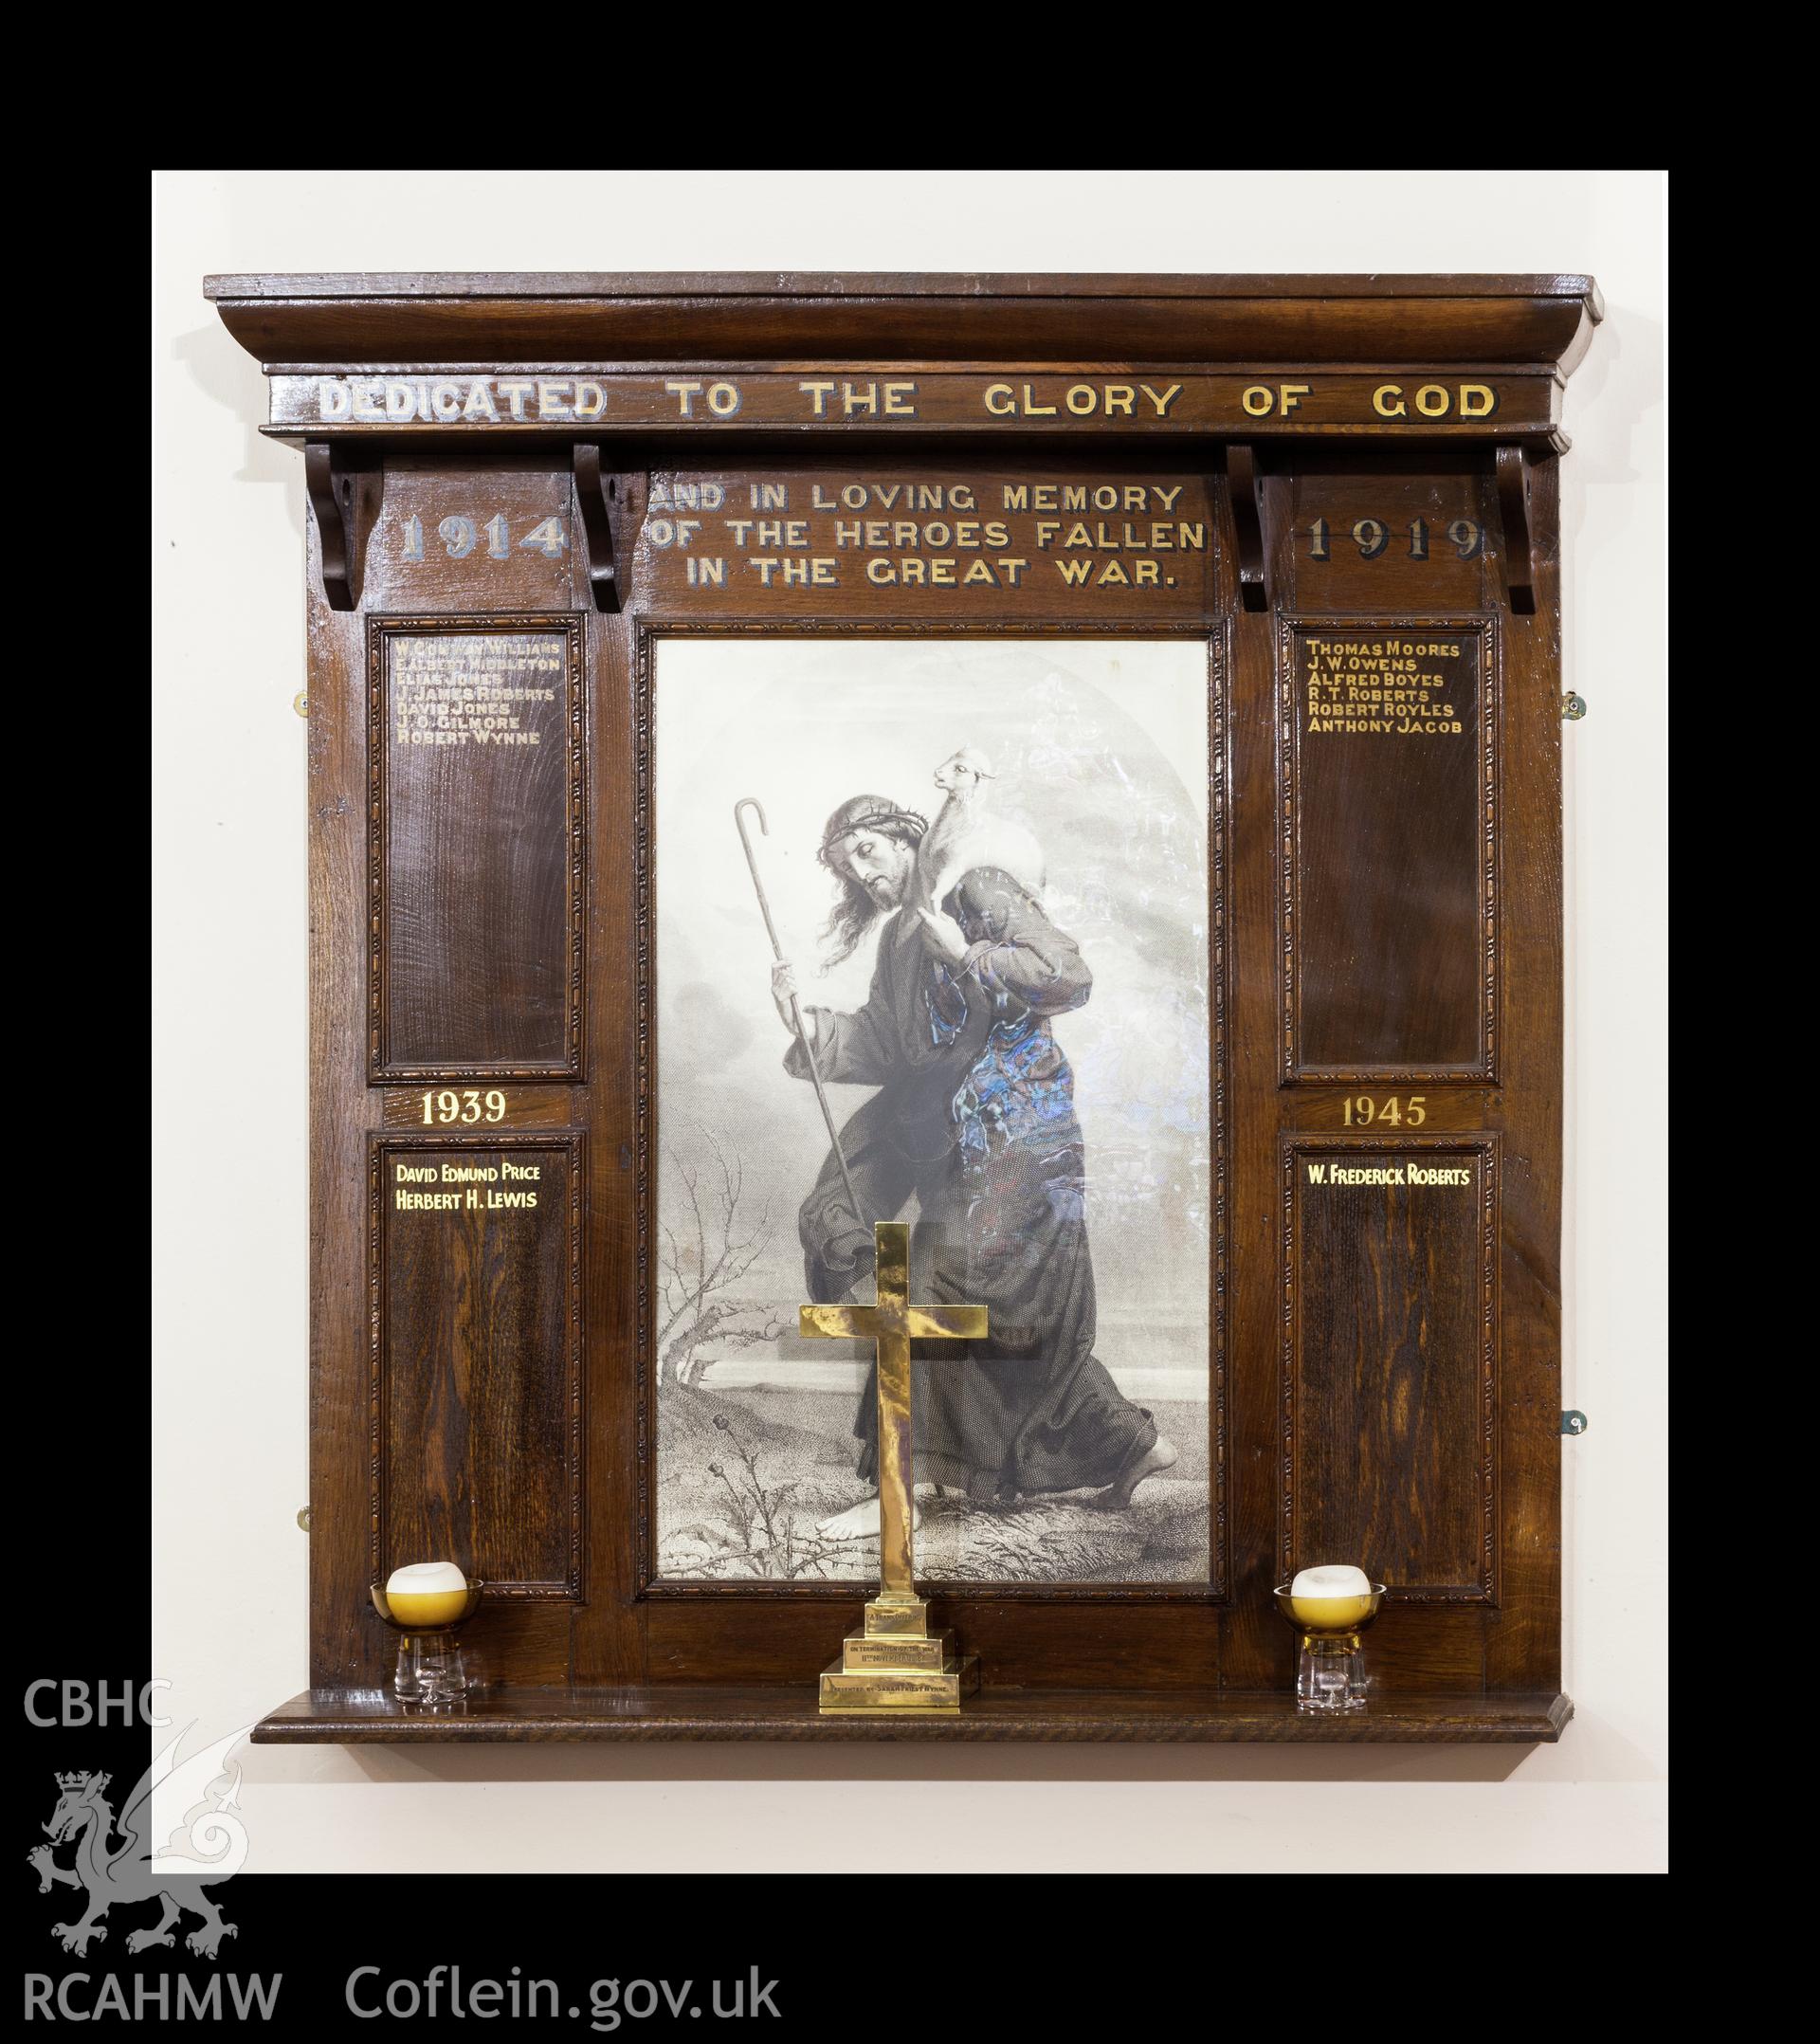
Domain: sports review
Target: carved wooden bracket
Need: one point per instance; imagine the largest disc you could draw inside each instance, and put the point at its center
(611, 506)
(1245, 487)
(1513, 513)
(331, 492)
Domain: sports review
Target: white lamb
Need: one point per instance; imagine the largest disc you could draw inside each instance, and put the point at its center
(965, 834)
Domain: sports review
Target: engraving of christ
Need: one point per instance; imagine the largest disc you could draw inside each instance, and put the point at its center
(974, 1121)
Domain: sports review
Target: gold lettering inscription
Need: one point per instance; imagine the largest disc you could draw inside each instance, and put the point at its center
(465, 690)
(1363, 1111)
(1381, 687)
(819, 533)
(469, 1105)
(1408, 1173)
(1081, 400)
(1261, 401)
(630, 397)
(462, 1186)
(1435, 401)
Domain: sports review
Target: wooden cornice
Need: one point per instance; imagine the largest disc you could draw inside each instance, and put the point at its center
(427, 319)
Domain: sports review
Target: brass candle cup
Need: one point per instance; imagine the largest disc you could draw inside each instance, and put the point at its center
(431, 1669)
(1330, 1663)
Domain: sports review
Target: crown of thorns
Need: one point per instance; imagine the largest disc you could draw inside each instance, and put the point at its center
(873, 819)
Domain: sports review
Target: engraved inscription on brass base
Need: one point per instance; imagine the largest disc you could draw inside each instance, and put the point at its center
(878, 1694)
(889, 1617)
(887, 1668)
(862, 1655)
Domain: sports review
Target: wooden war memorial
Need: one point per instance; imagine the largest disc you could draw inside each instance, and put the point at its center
(553, 522)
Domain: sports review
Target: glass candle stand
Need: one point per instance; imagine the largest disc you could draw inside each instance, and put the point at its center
(1330, 1662)
(431, 1669)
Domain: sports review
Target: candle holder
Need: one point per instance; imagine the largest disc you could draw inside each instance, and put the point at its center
(1330, 1665)
(431, 1669)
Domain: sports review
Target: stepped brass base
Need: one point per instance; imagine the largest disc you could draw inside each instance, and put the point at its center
(889, 1693)
(896, 1664)
(861, 1656)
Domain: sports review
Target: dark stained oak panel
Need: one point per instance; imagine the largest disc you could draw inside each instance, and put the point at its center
(476, 763)
(1390, 1358)
(1386, 746)
(476, 1358)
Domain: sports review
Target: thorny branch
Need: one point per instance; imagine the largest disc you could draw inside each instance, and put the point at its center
(691, 1274)
(770, 1543)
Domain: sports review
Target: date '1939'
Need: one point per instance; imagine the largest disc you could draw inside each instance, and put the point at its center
(469, 1105)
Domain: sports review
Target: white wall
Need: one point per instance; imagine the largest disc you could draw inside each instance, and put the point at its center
(230, 1411)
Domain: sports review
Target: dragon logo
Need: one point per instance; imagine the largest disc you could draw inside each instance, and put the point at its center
(139, 1858)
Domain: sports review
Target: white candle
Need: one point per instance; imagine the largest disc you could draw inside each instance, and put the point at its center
(426, 1593)
(1333, 1596)
(1332, 1581)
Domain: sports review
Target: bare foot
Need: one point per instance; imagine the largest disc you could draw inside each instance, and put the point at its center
(861, 1522)
(1116, 1497)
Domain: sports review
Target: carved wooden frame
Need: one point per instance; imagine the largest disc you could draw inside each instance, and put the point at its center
(1484, 1070)
(570, 628)
(648, 629)
(573, 1144)
(1294, 1144)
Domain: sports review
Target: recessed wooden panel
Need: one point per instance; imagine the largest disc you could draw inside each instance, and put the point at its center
(1389, 1362)
(477, 1328)
(474, 736)
(1387, 911)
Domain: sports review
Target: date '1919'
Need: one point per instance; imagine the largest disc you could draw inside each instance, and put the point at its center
(1372, 536)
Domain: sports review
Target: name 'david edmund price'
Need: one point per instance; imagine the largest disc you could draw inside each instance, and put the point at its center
(461, 1187)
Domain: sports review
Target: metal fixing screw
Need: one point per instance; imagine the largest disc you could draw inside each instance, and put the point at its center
(1574, 1422)
(303, 1519)
(1573, 706)
(300, 702)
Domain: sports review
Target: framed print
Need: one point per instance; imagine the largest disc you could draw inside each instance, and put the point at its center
(991, 858)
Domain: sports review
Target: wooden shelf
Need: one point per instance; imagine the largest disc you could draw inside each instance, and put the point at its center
(696, 1711)
(318, 319)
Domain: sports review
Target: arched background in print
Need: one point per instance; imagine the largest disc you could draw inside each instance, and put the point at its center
(1100, 750)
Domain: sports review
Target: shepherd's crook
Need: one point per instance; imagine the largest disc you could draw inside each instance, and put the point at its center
(795, 1010)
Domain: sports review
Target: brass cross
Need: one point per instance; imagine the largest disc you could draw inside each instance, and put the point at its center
(894, 1324)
